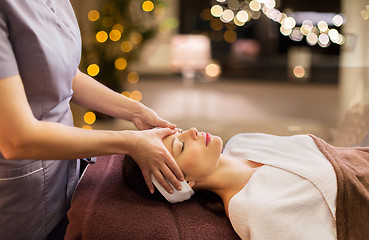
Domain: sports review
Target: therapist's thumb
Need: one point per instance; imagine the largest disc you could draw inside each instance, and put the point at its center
(163, 132)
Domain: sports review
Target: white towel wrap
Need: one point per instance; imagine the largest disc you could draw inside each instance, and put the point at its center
(177, 196)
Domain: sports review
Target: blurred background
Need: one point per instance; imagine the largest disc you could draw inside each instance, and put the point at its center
(229, 66)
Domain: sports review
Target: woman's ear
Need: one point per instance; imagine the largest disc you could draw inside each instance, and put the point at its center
(191, 183)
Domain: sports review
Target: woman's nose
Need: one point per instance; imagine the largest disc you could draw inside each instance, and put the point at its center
(193, 132)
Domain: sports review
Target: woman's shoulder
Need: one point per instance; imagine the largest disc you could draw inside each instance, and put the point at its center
(275, 200)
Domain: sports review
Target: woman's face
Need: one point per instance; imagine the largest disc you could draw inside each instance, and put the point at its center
(196, 153)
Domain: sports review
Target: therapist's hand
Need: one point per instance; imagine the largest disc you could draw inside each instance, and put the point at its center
(148, 119)
(152, 156)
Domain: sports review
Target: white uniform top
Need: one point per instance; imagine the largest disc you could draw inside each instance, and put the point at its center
(292, 196)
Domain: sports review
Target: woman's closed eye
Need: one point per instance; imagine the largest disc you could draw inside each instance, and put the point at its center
(183, 146)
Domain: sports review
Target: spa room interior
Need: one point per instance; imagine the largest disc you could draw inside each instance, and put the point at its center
(280, 67)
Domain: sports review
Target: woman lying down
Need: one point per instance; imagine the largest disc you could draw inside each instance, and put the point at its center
(271, 187)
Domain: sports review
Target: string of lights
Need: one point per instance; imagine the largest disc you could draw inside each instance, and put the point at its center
(316, 31)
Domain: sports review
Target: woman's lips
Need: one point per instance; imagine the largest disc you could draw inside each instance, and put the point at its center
(207, 138)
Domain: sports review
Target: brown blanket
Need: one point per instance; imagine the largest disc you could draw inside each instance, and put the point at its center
(352, 169)
(103, 207)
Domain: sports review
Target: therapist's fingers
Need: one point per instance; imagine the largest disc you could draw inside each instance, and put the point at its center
(174, 173)
(163, 182)
(147, 176)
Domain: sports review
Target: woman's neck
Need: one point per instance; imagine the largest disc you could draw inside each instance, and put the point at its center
(230, 177)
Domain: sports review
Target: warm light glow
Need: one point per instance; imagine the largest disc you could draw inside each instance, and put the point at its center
(216, 24)
(120, 63)
(238, 23)
(269, 4)
(338, 20)
(288, 22)
(147, 6)
(285, 31)
(126, 46)
(233, 4)
(133, 77)
(323, 40)
(136, 38)
(118, 27)
(216, 10)
(299, 72)
(127, 94)
(312, 39)
(242, 16)
(212, 70)
(93, 15)
(107, 22)
(305, 29)
(93, 70)
(115, 35)
(255, 5)
(364, 14)
(296, 34)
(101, 36)
(89, 117)
(323, 26)
(334, 35)
(136, 95)
(230, 36)
(227, 16)
(87, 127)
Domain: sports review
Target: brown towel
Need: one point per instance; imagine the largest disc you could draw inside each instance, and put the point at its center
(103, 207)
(352, 170)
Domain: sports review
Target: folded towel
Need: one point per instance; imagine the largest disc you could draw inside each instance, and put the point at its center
(177, 196)
(352, 170)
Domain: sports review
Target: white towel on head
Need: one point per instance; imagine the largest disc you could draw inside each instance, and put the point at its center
(177, 196)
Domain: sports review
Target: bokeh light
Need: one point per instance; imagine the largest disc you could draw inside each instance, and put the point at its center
(107, 22)
(93, 70)
(101, 36)
(212, 70)
(230, 36)
(93, 15)
(126, 46)
(338, 20)
(118, 27)
(147, 6)
(133, 77)
(136, 38)
(127, 94)
(115, 35)
(364, 14)
(255, 5)
(227, 16)
(136, 95)
(216, 10)
(120, 63)
(299, 72)
(216, 24)
(89, 117)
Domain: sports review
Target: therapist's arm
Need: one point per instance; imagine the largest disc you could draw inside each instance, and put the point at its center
(93, 95)
(22, 136)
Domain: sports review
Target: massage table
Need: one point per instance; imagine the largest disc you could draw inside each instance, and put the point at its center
(103, 207)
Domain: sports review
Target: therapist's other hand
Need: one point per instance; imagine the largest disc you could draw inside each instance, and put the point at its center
(152, 156)
(148, 119)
